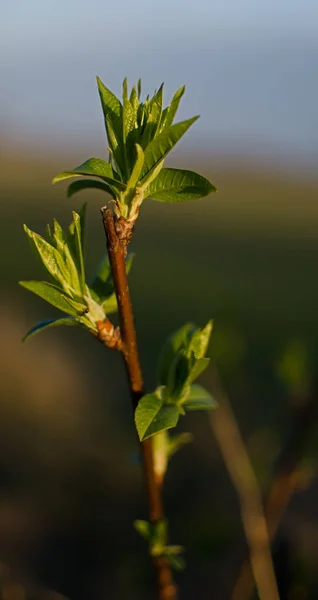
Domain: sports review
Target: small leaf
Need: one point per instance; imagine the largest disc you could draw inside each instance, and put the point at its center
(50, 257)
(110, 103)
(171, 110)
(113, 115)
(139, 88)
(178, 441)
(178, 340)
(177, 185)
(109, 305)
(176, 562)
(178, 381)
(163, 143)
(154, 116)
(200, 365)
(43, 325)
(79, 251)
(96, 167)
(86, 184)
(144, 528)
(199, 399)
(134, 177)
(55, 296)
(152, 416)
(200, 341)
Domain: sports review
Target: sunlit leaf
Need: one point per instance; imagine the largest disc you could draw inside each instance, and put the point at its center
(177, 185)
(171, 110)
(49, 324)
(50, 257)
(163, 143)
(96, 167)
(175, 342)
(55, 296)
(86, 184)
(153, 416)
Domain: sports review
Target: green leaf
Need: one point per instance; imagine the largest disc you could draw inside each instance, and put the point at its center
(134, 177)
(200, 341)
(55, 296)
(110, 103)
(176, 562)
(43, 325)
(154, 116)
(144, 528)
(199, 399)
(86, 184)
(199, 366)
(163, 143)
(177, 185)
(128, 113)
(113, 115)
(153, 416)
(109, 305)
(96, 167)
(178, 441)
(139, 88)
(50, 258)
(178, 376)
(171, 110)
(79, 251)
(175, 342)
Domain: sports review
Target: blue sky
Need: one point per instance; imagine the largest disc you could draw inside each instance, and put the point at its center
(250, 67)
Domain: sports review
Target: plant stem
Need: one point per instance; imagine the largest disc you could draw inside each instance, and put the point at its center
(117, 252)
(285, 481)
(243, 477)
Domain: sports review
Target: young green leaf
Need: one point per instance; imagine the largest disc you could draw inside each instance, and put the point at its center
(153, 416)
(144, 528)
(86, 184)
(135, 174)
(177, 185)
(79, 251)
(113, 114)
(162, 144)
(55, 296)
(200, 341)
(199, 399)
(170, 112)
(154, 116)
(178, 441)
(96, 167)
(177, 341)
(50, 257)
(43, 325)
(198, 367)
(128, 113)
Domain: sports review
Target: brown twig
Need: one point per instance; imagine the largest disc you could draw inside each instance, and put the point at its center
(241, 472)
(117, 251)
(285, 482)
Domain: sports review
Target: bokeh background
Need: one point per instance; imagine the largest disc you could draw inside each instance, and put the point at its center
(70, 483)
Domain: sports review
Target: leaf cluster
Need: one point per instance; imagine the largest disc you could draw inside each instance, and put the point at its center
(62, 255)
(181, 362)
(157, 535)
(140, 135)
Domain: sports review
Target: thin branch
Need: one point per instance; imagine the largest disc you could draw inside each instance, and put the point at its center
(241, 472)
(117, 251)
(285, 481)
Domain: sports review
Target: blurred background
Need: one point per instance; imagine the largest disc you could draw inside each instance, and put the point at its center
(70, 484)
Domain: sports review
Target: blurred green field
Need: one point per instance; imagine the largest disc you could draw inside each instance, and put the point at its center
(247, 257)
